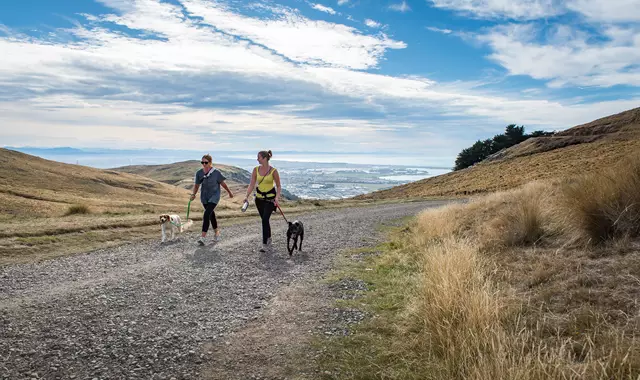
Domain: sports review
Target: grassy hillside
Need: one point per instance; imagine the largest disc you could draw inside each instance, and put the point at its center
(181, 173)
(579, 150)
(49, 209)
(535, 283)
(32, 187)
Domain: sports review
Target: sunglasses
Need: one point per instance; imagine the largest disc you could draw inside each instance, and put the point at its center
(204, 162)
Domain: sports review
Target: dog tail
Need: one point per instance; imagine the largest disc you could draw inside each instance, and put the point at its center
(188, 224)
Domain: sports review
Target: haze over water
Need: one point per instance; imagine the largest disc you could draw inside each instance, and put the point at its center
(307, 175)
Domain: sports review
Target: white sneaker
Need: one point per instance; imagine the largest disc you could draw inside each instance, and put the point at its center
(264, 248)
(201, 241)
(216, 238)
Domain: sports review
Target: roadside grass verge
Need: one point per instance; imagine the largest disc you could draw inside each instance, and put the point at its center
(514, 285)
(372, 349)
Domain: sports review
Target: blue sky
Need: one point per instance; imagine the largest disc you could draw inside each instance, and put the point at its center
(412, 78)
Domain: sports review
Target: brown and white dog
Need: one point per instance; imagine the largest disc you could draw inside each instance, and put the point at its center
(175, 223)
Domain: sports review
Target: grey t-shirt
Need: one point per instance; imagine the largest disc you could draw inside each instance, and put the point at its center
(209, 185)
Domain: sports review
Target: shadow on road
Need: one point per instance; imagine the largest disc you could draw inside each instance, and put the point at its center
(204, 255)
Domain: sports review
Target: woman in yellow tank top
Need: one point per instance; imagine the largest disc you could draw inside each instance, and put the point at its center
(266, 181)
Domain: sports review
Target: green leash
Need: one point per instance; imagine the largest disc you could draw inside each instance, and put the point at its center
(187, 218)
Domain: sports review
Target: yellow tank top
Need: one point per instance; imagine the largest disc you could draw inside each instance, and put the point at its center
(265, 184)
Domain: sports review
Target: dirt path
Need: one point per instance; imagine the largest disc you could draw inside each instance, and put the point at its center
(154, 311)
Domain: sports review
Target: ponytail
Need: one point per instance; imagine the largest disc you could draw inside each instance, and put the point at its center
(266, 154)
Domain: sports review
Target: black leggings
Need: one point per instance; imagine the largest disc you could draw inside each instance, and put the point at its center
(209, 216)
(265, 209)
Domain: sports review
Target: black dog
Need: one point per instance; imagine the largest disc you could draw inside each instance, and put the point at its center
(295, 231)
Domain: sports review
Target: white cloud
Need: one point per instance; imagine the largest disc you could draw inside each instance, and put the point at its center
(76, 121)
(195, 77)
(457, 101)
(438, 30)
(323, 8)
(607, 10)
(600, 53)
(4, 29)
(400, 7)
(298, 38)
(594, 10)
(342, 2)
(371, 23)
(568, 56)
(132, 124)
(514, 9)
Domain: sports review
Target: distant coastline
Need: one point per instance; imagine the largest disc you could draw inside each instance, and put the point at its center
(95, 157)
(328, 178)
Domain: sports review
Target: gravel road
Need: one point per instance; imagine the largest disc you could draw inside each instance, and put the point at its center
(147, 310)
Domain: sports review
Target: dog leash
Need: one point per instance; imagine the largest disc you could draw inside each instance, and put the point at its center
(187, 218)
(282, 213)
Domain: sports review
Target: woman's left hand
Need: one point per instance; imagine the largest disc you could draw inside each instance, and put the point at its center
(230, 194)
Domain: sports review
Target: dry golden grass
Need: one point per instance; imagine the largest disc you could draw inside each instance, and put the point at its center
(579, 318)
(181, 173)
(470, 326)
(607, 205)
(49, 209)
(579, 150)
(515, 218)
(514, 285)
(31, 187)
(78, 209)
(24, 240)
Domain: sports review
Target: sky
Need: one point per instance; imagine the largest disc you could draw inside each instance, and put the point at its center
(420, 78)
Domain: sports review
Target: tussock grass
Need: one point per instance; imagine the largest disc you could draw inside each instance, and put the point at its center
(519, 217)
(454, 312)
(584, 149)
(471, 326)
(534, 283)
(77, 209)
(605, 206)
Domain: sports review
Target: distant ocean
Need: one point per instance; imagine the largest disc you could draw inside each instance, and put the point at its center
(111, 158)
(308, 175)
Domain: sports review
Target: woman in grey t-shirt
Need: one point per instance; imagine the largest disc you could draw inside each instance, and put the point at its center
(209, 179)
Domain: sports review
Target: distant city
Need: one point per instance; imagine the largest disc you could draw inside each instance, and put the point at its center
(344, 182)
(307, 180)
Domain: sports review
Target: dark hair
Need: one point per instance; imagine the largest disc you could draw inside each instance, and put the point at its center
(208, 157)
(266, 154)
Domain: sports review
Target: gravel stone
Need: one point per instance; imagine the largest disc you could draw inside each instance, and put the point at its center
(146, 310)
